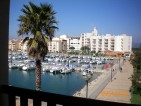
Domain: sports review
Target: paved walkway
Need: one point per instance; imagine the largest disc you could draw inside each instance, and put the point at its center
(118, 89)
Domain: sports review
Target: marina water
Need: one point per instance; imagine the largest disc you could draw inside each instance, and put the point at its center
(66, 84)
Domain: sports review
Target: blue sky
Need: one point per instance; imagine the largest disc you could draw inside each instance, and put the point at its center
(79, 16)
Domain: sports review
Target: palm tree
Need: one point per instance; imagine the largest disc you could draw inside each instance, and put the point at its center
(72, 48)
(40, 23)
(85, 49)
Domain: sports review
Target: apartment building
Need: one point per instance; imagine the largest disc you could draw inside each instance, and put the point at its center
(57, 45)
(102, 43)
(72, 41)
(96, 42)
(15, 45)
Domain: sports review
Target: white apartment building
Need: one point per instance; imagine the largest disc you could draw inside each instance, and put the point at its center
(117, 43)
(102, 43)
(72, 41)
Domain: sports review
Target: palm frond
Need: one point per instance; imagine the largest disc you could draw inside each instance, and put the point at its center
(25, 39)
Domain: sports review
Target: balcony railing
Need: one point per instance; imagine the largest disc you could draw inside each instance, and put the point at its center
(50, 98)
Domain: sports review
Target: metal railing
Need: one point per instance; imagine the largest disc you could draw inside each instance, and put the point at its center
(50, 98)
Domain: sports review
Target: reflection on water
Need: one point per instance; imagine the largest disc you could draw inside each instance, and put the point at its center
(66, 84)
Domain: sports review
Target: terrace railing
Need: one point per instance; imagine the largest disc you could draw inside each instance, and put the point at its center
(50, 98)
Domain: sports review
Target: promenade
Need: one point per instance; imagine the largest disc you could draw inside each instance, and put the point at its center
(118, 89)
(96, 86)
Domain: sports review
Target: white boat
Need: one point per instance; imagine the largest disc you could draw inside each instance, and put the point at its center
(84, 73)
(84, 67)
(65, 70)
(10, 65)
(57, 60)
(21, 64)
(55, 69)
(24, 68)
(28, 67)
(99, 62)
(45, 66)
(50, 59)
(13, 65)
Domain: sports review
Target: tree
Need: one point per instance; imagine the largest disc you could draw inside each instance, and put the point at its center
(72, 48)
(38, 21)
(136, 77)
(93, 52)
(85, 49)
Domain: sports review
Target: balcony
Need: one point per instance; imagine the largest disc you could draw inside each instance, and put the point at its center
(100, 44)
(50, 98)
(106, 39)
(94, 42)
(112, 46)
(94, 48)
(112, 42)
(122, 42)
(106, 46)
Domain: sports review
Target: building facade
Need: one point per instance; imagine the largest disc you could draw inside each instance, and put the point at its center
(97, 43)
(15, 45)
(57, 45)
(102, 43)
(72, 41)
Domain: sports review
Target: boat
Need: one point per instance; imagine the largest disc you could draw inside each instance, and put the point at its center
(65, 70)
(55, 69)
(28, 67)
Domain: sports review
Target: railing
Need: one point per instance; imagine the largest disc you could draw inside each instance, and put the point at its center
(50, 98)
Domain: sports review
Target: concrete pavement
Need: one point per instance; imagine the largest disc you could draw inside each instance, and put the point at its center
(118, 89)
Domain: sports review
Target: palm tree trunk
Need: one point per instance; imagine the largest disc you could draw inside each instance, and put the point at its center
(38, 75)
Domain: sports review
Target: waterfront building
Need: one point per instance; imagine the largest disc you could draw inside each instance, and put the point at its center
(57, 45)
(72, 41)
(108, 42)
(15, 45)
(96, 42)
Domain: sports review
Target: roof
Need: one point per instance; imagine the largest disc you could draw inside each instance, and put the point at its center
(74, 37)
(57, 40)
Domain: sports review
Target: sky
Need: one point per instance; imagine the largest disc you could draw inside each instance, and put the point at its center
(81, 16)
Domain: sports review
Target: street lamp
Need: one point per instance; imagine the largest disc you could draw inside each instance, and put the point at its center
(87, 77)
(120, 69)
(119, 63)
(111, 69)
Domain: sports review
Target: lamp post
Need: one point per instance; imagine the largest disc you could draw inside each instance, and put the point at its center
(119, 63)
(111, 69)
(87, 78)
